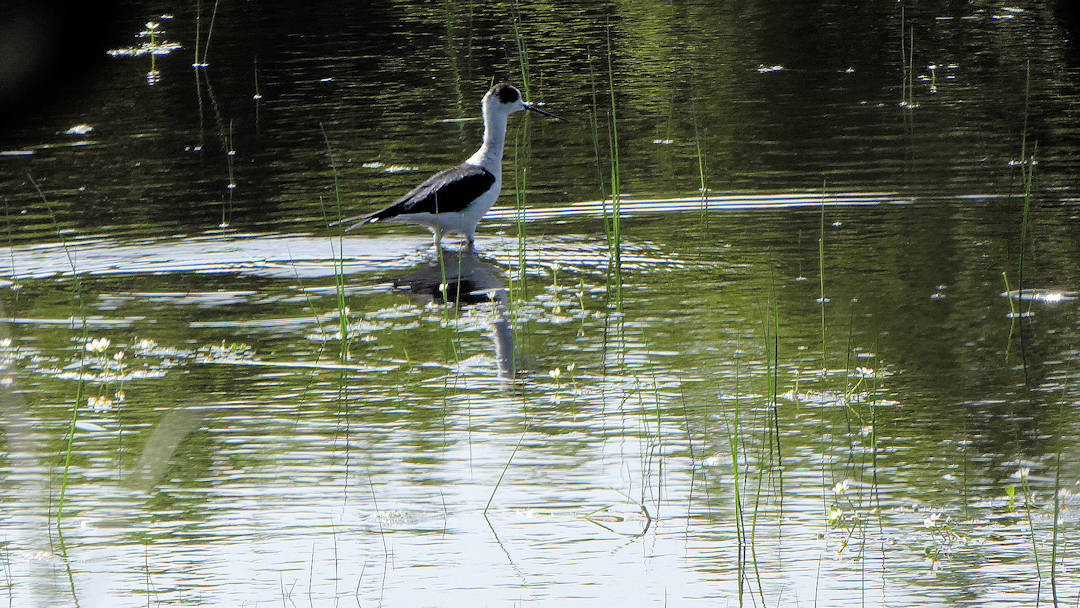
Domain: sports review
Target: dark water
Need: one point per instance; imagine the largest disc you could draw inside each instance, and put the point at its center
(807, 385)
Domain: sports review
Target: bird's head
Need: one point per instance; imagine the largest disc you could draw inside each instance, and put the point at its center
(506, 99)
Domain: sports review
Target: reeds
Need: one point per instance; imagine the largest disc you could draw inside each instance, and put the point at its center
(822, 300)
(700, 139)
(338, 253)
(611, 214)
(80, 298)
(1027, 173)
(615, 233)
(210, 31)
(907, 61)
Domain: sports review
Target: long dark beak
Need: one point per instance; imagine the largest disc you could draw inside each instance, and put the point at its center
(532, 106)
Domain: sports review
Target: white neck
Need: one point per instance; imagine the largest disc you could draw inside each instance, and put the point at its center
(489, 156)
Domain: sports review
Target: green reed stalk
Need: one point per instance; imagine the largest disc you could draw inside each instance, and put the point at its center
(907, 61)
(1057, 508)
(821, 285)
(80, 296)
(595, 124)
(616, 183)
(1013, 315)
(702, 169)
(452, 336)
(339, 253)
(523, 51)
(1027, 168)
(911, 69)
(503, 473)
(733, 449)
(903, 59)
(209, 33)
(1031, 525)
(198, 27)
(522, 156)
(774, 384)
(615, 232)
(824, 347)
(769, 451)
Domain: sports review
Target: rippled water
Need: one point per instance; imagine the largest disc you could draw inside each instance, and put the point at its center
(824, 368)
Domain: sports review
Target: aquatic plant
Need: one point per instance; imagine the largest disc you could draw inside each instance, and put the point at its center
(80, 298)
(338, 252)
(210, 31)
(907, 61)
(1027, 173)
(702, 163)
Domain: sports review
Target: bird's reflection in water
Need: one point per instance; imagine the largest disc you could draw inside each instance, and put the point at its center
(461, 278)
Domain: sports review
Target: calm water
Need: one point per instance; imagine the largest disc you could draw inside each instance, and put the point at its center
(806, 385)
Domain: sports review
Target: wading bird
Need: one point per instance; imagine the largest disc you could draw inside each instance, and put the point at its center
(454, 200)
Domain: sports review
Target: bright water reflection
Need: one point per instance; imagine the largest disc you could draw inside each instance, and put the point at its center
(806, 383)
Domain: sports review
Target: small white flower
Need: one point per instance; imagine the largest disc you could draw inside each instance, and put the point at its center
(98, 345)
(834, 514)
(932, 521)
(1021, 473)
(99, 404)
(555, 373)
(841, 487)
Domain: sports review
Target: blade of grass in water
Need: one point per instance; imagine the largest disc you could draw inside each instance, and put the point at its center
(615, 232)
(339, 253)
(80, 296)
(81, 299)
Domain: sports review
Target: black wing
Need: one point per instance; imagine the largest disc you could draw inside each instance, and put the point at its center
(445, 192)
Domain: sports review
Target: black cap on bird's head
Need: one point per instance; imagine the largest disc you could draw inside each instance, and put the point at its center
(509, 98)
(505, 93)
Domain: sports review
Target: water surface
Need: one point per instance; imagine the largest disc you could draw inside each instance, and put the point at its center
(800, 378)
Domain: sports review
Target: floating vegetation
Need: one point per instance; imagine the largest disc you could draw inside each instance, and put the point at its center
(150, 46)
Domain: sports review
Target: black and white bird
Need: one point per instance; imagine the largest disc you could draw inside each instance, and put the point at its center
(454, 200)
